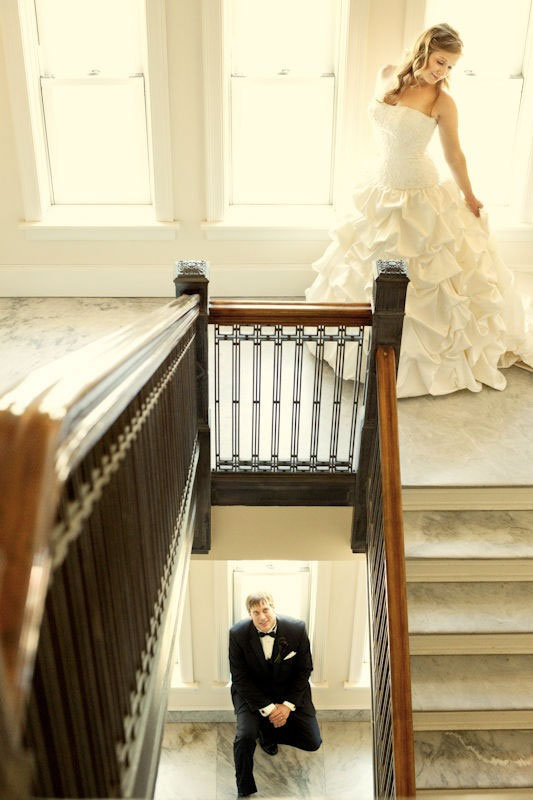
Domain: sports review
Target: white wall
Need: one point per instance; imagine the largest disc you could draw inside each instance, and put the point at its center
(137, 268)
(331, 694)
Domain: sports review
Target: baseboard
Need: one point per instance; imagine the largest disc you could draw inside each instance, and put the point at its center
(323, 715)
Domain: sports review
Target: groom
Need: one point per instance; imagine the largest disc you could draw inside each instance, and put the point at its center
(270, 662)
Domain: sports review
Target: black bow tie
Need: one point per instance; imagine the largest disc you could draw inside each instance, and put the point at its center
(272, 633)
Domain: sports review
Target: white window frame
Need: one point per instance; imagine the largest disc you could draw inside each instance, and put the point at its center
(521, 210)
(278, 222)
(42, 220)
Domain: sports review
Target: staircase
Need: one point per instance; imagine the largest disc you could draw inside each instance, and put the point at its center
(470, 600)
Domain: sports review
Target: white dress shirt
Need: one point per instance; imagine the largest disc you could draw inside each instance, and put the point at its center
(267, 643)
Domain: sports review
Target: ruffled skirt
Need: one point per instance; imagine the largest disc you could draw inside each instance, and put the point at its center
(464, 317)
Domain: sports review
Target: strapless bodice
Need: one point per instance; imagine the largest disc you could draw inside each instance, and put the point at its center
(403, 134)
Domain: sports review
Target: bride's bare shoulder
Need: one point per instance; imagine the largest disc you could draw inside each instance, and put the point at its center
(385, 79)
(444, 105)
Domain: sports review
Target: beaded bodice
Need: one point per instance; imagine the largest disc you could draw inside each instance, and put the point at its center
(403, 134)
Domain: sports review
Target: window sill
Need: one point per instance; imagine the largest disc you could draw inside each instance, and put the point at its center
(505, 227)
(98, 223)
(314, 223)
(273, 223)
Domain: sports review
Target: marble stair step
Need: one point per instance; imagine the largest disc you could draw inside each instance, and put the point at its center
(473, 720)
(470, 644)
(469, 534)
(472, 682)
(477, 760)
(474, 794)
(467, 607)
(445, 570)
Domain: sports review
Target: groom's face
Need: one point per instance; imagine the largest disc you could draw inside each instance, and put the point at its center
(263, 616)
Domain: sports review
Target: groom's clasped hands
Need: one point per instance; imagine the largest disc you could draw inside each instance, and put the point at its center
(279, 716)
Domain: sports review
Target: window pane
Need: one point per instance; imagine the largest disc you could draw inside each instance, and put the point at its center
(494, 34)
(287, 582)
(281, 140)
(77, 36)
(97, 140)
(270, 35)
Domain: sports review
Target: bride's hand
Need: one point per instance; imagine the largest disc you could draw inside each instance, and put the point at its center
(473, 204)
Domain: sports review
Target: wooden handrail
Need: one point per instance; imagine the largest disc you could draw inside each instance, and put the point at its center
(48, 421)
(400, 678)
(237, 311)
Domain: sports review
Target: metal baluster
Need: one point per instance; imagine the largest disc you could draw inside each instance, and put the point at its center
(217, 396)
(235, 396)
(256, 397)
(296, 396)
(317, 398)
(337, 398)
(276, 395)
(355, 404)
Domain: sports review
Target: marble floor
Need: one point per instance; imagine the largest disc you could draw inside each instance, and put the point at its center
(481, 439)
(197, 764)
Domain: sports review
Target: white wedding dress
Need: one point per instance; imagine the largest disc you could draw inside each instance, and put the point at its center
(464, 317)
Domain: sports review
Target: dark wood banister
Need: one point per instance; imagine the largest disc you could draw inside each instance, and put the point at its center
(400, 677)
(237, 311)
(48, 422)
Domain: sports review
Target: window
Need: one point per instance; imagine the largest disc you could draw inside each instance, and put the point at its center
(284, 109)
(282, 90)
(488, 84)
(93, 97)
(289, 582)
(89, 94)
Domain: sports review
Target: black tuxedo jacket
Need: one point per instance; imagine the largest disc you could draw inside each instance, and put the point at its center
(257, 682)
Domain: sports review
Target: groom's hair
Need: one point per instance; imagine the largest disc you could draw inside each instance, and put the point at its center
(258, 597)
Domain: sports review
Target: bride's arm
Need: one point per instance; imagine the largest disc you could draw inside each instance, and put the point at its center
(446, 113)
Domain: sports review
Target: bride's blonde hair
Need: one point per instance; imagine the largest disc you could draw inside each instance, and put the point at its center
(438, 37)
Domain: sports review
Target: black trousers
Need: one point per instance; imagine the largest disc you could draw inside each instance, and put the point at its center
(300, 730)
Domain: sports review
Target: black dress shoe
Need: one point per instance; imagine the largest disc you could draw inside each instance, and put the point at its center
(271, 748)
(247, 795)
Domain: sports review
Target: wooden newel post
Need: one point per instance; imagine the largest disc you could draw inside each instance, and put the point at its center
(388, 308)
(192, 277)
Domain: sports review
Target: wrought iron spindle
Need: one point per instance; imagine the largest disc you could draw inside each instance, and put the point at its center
(256, 396)
(217, 396)
(337, 398)
(276, 394)
(296, 396)
(235, 395)
(355, 403)
(317, 398)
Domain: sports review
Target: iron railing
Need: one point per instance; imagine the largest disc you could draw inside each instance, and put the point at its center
(268, 425)
(97, 536)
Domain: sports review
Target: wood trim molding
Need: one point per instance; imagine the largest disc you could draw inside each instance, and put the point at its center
(158, 110)
(222, 591)
(215, 107)
(359, 643)
(229, 311)
(321, 577)
(398, 636)
(20, 45)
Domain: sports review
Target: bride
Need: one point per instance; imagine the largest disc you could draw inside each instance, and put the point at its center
(464, 318)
